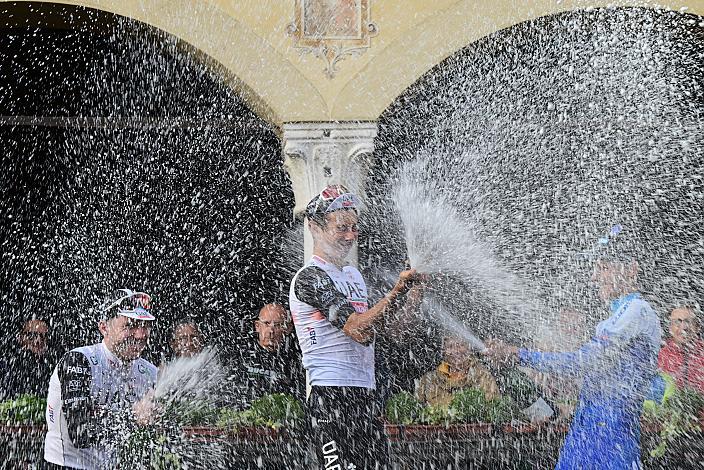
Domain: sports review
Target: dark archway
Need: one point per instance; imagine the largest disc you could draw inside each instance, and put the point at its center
(126, 162)
(578, 121)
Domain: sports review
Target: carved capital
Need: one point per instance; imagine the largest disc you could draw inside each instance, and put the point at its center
(320, 154)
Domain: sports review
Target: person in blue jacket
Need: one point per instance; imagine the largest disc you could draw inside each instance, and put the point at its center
(618, 365)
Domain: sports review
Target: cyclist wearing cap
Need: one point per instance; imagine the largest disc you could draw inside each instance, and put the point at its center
(94, 389)
(618, 366)
(335, 328)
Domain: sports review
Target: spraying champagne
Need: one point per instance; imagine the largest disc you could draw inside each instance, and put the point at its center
(510, 380)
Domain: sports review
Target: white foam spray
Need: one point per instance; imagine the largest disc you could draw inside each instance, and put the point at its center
(452, 325)
(190, 378)
(442, 238)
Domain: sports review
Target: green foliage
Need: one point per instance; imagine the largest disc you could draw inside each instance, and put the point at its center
(25, 409)
(678, 416)
(467, 406)
(500, 410)
(403, 408)
(230, 418)
(437, 414)
(191, 413)
(275, 410)
(148, 448)
(162, 446)
(471, 406)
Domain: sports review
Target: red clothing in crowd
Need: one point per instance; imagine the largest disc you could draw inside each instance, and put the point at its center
(685, 366)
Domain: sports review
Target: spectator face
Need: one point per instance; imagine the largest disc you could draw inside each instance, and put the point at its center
(125, 337)
(186, 340)
(339, 234)
(271, 326)
(455, 351)
(612, 277)
(33, 336)
(684, 326)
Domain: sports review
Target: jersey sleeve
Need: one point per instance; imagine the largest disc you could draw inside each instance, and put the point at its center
(77, 404)
(630, 323)
(314, 287)
(571, 363)
(611, 337)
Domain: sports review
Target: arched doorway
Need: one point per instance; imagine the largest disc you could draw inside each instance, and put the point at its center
(575, 122)
(127, 162)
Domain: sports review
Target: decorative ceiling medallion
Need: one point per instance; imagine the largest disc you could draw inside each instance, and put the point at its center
(332, 29)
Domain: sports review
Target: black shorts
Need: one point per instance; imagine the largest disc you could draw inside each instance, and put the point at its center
(345, 428)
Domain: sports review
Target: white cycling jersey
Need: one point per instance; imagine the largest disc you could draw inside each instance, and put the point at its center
(91, 393)
(321, 298)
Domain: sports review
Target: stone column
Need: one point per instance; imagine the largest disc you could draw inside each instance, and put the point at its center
(317, 154)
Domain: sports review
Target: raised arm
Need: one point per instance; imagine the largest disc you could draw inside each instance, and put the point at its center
(361, 327)
(636, 320)
(571, 363)
(314, 287)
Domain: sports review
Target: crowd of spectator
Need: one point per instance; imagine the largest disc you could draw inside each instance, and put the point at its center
(271, 363)
(320, 350)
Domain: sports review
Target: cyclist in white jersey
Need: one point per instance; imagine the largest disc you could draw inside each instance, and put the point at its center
(94, 390)
(336, 327)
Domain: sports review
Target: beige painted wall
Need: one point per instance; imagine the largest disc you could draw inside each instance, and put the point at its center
(248, 39)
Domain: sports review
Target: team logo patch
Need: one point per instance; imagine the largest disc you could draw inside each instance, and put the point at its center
(142, 368)
(143, 314)
(74, 385)
(94, 360)
(311, 335)
(360, 307)
(344, 201)
(76, 370)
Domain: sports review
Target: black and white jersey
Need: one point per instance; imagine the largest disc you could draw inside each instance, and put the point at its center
(91, 393)
(322, 298)
(262, 372)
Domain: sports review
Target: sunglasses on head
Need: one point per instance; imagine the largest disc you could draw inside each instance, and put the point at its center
(331, 193)
(128, 301)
